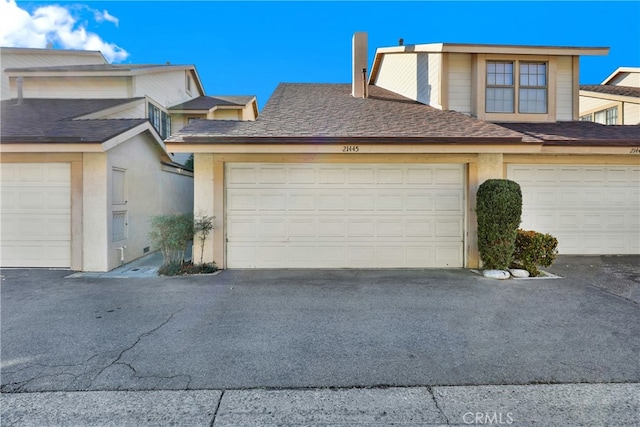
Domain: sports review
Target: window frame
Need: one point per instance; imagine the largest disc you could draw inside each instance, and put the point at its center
(479, 83)
(160, 120)
(526, 87)
(497, 86)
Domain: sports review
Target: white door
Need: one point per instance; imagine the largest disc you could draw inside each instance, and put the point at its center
(344, 215)
(589, 209)
(35, 215)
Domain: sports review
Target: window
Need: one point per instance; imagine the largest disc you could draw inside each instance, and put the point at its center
(586, 118)
(119, 226)
(118, 192)
(607, 117)
(188, 83)
(533, 87)
(501, 87)
(192, 119)
(499, 97)
(160, 120)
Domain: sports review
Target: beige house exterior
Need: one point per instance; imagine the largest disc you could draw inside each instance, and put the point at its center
(84, 166)
(383, 172)
(616, 101)
(11, 57)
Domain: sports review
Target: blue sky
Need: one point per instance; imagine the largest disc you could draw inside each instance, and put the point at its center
(249, 47)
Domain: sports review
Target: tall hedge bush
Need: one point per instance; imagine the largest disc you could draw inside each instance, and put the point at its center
(499, 211)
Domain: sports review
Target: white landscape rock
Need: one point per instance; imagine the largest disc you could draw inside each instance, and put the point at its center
(496, 274)
(519, 273)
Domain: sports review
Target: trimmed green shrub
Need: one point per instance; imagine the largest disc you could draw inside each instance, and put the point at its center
(172, 234)
(534, 250)
(499, 211)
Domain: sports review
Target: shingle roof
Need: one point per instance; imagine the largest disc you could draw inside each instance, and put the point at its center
(208, 102)
(328, 111)
(578, 133)
(633, 92)
(51, 120)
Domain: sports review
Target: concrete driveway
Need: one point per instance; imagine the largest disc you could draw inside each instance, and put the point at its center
(338, 328)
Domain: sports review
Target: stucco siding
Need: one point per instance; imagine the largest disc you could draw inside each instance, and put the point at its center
(398, 73)
(177, 192)
(140, 161)
(564, 88)
(94, 212)
(72, 87)
(149, 191)
(459, 88)
(168, 88)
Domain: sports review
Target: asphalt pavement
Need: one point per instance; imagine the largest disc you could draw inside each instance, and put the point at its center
(328, 347)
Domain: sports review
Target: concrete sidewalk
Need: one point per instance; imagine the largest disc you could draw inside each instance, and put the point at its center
(518, 405)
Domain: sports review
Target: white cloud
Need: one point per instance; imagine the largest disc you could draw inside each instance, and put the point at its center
(54, 24)
(106, 16)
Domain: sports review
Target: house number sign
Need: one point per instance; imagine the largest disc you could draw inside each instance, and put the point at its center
(350, 149)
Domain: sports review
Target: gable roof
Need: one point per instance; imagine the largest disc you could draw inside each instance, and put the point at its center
(52, 120)
(299, 112)
(632, 92)
(620, 70)
(209, 102)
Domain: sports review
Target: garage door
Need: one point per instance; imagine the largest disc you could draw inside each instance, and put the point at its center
(344, 215)
(590, 209)
(35, 215)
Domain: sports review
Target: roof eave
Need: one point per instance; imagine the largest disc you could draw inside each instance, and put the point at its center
(202, 139)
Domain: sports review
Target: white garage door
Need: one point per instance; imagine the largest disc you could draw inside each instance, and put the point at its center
(35, 215)
(590, 209)
(344, 215)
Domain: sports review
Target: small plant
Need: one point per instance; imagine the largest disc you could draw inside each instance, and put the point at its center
(172, 234)
(202, 226)
(172, 269)
(499, 210)
(533, 250)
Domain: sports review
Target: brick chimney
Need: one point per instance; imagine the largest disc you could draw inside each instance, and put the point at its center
(359, 65)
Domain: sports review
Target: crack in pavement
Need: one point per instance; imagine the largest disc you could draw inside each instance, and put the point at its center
(435, 401)
(140, 337)
(81, 369)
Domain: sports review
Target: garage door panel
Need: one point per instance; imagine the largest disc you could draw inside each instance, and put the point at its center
(333, 216)
(590, 209)
(35, 212)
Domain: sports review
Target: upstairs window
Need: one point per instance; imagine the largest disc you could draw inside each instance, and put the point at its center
(533, 87)
(160, 120)
(501, 87)
(607, 117)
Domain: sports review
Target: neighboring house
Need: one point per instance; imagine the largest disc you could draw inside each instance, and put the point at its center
(84, 165)
(616, 101)
(384, 173)
(12, 57)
